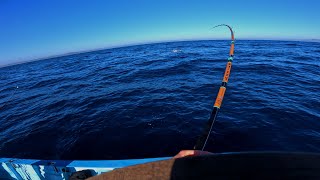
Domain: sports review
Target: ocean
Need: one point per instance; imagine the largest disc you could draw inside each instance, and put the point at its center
(153, 100)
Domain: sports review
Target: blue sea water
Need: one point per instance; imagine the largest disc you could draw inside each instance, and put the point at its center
(154, 100)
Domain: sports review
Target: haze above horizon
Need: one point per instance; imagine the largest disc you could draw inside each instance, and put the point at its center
(38, 29)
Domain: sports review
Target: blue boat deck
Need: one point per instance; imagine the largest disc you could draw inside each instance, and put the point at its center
(61, 169)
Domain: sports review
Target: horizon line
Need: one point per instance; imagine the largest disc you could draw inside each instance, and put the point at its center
(144, 43)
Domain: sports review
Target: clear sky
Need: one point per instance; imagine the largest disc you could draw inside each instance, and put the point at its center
(34, 29)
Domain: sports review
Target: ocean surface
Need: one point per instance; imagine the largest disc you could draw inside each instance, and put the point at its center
(154, 100)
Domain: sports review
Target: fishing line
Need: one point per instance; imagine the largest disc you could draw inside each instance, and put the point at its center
(202, 141)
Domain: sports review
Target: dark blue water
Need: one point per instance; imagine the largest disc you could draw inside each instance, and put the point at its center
(153, 100)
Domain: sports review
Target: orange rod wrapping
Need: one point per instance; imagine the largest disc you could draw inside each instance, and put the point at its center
(220, 96)
(231, 49)
(227, 72)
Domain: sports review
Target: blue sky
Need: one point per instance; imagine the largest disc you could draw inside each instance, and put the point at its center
(35, 29)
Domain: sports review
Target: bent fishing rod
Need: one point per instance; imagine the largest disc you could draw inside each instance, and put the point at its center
(202, 141)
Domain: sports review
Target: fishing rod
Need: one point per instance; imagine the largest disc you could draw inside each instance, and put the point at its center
(202, 141)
